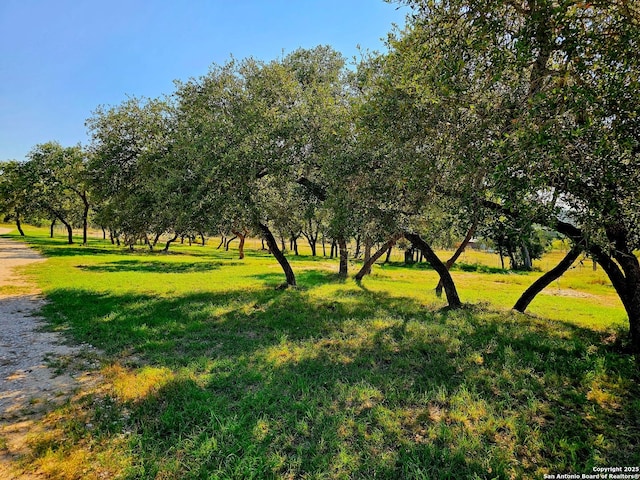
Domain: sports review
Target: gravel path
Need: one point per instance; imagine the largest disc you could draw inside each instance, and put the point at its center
(28, 384)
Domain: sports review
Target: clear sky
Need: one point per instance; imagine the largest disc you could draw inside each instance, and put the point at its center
(60, 59)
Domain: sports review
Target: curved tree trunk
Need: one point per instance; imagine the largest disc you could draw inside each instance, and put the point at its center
(69, 233)
(227, 242)
(282, 260)
(449, 263)
(344, 257)
(556, 272)
(242, 237)
(148, 242)
(366, 268)
(19, 224)
(449, 286)
(69, 230)
(169, 242)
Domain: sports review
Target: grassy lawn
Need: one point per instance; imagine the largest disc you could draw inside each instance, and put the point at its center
(211, 372)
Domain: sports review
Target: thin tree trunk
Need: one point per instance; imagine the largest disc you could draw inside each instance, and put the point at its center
(366, 268)
(69, 229)
(53, 224)
(357, 253)
(526, 258)
(226, 244)
(169, 242)
(204, 241)
(85, 217)
(241, 236)
(148, 242)
(104, 233)
(449, 286)
(282, 260)
(155, 239)
(222, 240)
(312, 238)
(324, 247)
(344, 257)
(111, 237)
(69, 233)
(449, 263)
(388, 257)
(19, 225)
(556, 272)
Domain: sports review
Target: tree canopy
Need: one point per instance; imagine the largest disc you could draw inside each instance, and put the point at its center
(493, 116)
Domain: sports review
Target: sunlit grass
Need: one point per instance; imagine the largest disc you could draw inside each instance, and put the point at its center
(210, 372)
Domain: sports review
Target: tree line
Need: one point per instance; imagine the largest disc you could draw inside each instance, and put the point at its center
(487, 118)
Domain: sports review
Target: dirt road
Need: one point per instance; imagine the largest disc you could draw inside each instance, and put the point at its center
(29, 386)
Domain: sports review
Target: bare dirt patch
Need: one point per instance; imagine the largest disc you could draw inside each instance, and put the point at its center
(37, 369)
(566, 292)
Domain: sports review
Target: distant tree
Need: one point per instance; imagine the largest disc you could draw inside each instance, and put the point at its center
(16, 202)
(128, 145)
(61, 187)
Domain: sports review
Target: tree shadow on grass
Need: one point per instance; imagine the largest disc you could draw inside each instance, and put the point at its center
(306, 279)
(269, 383)
(156, 266)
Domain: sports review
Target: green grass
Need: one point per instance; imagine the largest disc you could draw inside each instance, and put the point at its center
(211, 372)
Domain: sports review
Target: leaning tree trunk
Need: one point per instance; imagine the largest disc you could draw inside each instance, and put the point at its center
(344, 256)
(169, 242)
(630, 294)
(228, 242)
(623, 269)
(439, 267)
(282, 260)
(69, 230)
(457, 254)
(553, 274)
(366, 268)
(19, 224)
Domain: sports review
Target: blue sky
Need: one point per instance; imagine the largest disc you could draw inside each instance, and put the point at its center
(60, 59)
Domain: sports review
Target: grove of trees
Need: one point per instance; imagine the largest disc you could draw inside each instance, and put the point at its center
(489, 116)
